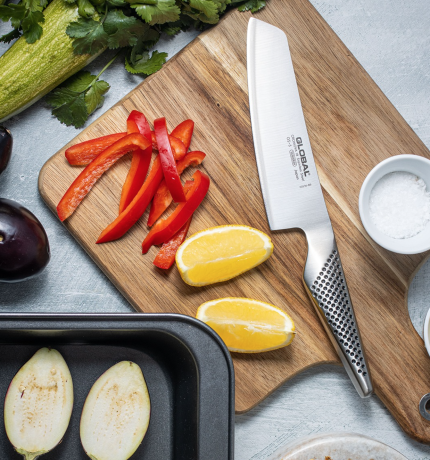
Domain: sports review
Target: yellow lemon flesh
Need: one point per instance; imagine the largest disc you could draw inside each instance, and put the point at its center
(221, 253)
(246, 325)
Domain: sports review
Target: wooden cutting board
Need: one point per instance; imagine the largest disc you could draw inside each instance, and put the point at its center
(352, 127)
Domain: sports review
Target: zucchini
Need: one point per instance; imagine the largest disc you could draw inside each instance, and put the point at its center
(28, 72)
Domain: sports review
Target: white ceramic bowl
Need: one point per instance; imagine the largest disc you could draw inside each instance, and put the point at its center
(337, 446)
(426, 332)
(409, 163)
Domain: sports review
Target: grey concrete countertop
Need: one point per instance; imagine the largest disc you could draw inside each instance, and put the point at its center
(390, 38)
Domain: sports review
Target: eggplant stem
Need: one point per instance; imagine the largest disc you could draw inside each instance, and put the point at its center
(30, 455)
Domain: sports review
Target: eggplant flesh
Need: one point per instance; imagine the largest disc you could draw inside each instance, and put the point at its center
(38, 404)
(116, 413)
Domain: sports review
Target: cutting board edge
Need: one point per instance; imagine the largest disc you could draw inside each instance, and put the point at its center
(51, 206)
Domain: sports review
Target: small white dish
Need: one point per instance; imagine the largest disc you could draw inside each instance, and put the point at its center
(413, 164)
(426, 332)
(338, 446)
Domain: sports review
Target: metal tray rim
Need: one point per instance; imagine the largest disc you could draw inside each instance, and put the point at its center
(142, 317)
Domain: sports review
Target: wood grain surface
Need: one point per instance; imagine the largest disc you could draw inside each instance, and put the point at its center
(352, 127)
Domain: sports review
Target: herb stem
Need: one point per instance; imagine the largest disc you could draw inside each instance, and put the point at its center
(147, 2)
(105, 16)
(104, 68)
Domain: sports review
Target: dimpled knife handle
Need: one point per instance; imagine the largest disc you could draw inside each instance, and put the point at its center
(329, 292)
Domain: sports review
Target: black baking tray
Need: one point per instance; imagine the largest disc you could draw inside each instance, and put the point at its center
(187, 368)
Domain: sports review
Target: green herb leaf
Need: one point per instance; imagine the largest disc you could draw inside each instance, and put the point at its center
(187, 22)
(81, 27)
(35, 5)
(207, 7)
(100, 5)
(252, 5)
(26, 16)
(78, 98)
(94, 96)
(80, 82)
(12, 12)
(146, 65)
(150, 38)
(68, 106)
(85, 8)
(123, 30)
(138, 57)
(160, 12)
(117, 3)
(31, 26)
(60, 96)
(89, 36)
(171, 31)
(222, 5)
(12, 35)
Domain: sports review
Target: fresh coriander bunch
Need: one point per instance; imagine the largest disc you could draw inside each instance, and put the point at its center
(26, 18)
(133, 27)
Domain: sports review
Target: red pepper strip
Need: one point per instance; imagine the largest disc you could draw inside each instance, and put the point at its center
(89, 176)
(166, 228)
(163, 197)
(136, 208)
(168, 162)
(141, 122)
(178, 148)
(166, 256)
(85, 152)
(184, 132)
(136, 123)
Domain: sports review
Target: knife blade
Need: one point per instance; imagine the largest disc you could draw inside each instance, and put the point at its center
(292, 192)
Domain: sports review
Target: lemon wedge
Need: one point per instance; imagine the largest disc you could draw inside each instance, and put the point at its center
(247, 325)
(221, 253)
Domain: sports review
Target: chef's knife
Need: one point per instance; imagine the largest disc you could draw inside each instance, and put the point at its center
(292, 192)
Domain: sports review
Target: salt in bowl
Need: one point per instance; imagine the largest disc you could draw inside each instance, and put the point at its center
(413, 164)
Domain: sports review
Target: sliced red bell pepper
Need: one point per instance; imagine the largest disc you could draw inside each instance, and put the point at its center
(136, 208)
(85, 152)
(89, 176)
(168, 162)
(142, 125)
(136, 123)
(178, 147)
(166, 228)
(184, 132)
(163, 197)
(166, 256)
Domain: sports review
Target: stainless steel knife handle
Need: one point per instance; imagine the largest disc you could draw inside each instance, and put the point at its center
(326, 285)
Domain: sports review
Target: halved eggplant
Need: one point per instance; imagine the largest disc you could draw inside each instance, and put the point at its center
(116, 413)
(38, 404)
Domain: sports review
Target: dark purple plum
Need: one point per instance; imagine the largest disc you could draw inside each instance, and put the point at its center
(24, 246)
(6, 142)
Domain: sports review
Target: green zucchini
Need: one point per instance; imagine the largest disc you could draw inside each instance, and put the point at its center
(28, 72)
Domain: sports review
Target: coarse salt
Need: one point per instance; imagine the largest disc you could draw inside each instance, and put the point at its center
(400, 205)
